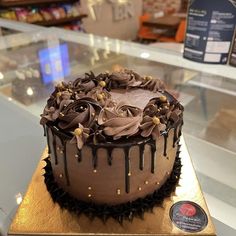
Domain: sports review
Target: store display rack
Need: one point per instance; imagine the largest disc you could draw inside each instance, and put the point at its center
(61, 21)
(17, 3)
(11, 4)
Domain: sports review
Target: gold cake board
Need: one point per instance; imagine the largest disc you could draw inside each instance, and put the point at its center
(39, 215)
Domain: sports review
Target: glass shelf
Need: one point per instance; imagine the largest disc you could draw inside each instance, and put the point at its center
(153, 53)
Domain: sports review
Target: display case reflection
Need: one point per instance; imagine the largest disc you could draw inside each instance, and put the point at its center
(33, 83)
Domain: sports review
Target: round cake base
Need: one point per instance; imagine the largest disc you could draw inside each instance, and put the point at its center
(119, 212)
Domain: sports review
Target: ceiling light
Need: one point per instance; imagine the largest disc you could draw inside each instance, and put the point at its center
(29, 91)
(145, 55)
(1, 75)
(18, 198)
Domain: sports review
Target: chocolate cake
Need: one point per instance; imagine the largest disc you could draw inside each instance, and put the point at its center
(113, 143)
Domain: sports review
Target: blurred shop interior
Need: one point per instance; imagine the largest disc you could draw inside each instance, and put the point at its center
(46, 41)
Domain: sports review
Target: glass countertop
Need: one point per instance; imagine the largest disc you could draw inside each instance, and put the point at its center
(33, 59)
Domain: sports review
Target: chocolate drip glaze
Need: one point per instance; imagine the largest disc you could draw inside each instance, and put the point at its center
(177, 131)
(44, 130)
(141, 155)
(165, 135)
(109, 156)
(47, 134)
(79, 155)
(125, 147)
(180, 130)
(152, 144)
(175, 137)
(54, 148)
(63, 141)
(127, 169)
(119, 212)
(95, 158)
(65, 163)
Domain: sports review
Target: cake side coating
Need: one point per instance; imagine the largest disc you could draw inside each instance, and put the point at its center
(109, 153)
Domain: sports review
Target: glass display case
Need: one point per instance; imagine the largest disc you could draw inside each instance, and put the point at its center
(33, 59)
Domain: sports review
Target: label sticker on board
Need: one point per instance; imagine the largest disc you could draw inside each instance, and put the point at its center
(188, 216)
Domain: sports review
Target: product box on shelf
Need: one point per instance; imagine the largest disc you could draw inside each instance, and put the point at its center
(210, 29)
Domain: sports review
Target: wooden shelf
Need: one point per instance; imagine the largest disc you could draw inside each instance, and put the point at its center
(60, 21)
(16, 3)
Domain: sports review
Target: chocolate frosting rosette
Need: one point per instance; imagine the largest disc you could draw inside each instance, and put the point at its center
(85, 84)
(82, 111)
(152, 126)
(51, 113)
(121, 120)
(101, 95)
(125, 78)
(152, 84)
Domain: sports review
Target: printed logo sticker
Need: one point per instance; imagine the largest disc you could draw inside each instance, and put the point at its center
(188, 216)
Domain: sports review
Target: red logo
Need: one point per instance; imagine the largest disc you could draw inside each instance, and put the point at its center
(187, 209)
